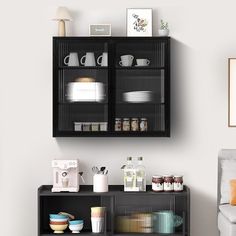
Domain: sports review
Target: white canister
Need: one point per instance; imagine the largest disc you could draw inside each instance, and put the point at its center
(100, 183)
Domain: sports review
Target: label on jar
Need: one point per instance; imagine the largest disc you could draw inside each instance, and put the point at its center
(157, 187)
(168, 186)
(178, 186)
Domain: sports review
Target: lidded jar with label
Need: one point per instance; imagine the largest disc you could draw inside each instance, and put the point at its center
(118, 124)
(143, 124)
(157, 183)
(126, 124)
(168, 183)
(178, 183)
(134, 124)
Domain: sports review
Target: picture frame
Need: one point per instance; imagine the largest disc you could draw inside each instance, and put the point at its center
(231, 92)
(139, 22)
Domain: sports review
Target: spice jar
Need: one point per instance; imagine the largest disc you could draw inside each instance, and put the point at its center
(118, 124)
(126, 124)
(143, 124)
(168, 183)
(134, 124)
(178, 183)
(157, 183)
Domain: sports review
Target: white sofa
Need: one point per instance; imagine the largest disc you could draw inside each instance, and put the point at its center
(226, 212)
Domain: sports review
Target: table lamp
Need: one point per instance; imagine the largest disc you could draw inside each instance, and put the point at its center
(62, 15)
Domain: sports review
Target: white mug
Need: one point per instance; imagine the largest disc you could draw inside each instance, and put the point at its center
(88, 59)
(126, 60)
(102, 60)
(142, 62)
(71, 59)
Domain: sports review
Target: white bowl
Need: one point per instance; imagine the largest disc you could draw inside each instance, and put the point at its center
(76, 228)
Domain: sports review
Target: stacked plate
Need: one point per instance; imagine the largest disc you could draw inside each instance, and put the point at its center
(138, 96)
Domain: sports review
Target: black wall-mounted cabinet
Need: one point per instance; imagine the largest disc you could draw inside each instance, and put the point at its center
(78, 118)
(119, 205)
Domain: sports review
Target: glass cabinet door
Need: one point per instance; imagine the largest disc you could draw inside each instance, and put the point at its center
(81, 70)
(140, 86)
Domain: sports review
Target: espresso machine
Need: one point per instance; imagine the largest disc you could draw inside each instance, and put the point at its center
(65, 175)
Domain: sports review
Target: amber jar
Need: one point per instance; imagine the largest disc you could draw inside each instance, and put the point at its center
(168, 183)
(157, 183)
(178, 183)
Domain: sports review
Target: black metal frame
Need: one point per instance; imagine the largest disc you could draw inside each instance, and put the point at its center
(111, 87)
(111, 201)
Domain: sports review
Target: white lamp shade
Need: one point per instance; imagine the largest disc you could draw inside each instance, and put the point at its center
(62, 13)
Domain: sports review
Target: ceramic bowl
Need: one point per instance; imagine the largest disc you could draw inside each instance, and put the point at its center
(58, 223)
(58, 220)
(58, 229)
(57, 216)
(76, 222)
(76, 228)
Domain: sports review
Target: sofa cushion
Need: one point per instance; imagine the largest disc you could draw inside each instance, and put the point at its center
(229, 212)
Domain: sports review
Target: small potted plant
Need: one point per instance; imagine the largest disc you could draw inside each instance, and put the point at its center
(164, 29)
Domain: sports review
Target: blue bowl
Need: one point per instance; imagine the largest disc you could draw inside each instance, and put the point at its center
(76, 222)
(57, 216)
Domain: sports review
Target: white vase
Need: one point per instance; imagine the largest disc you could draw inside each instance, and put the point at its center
(163, 32)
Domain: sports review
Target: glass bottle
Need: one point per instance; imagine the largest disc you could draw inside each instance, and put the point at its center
(141, 175)
(129, 175)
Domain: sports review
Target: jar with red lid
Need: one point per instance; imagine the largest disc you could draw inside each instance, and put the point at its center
(157, 183)
(178, 183)
(168, 183)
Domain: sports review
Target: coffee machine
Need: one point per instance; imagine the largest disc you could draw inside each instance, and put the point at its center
(65, 175)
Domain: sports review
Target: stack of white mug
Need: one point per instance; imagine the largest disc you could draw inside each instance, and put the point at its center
(97, 219)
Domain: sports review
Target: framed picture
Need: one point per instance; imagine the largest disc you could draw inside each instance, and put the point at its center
(139, 22)
(232, 92)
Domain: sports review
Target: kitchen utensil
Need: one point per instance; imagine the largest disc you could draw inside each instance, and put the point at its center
(138, 96)
(95, 169)
(76, 226)
(102, 60)
(71, 59)
(142, 62)
(126, 60)
(58, 216)
(88, 59)
(65, 176)
(58, 229)
(102, 169)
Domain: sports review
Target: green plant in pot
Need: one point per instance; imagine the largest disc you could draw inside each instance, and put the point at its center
(164, 29)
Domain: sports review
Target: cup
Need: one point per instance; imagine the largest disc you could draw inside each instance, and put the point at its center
(102, 60)
(166, 221)
(100, 183)
(88, 59)
(71, 59)
(65, 182)
(97, 224)
(126, 60)
(142, 62)
(98, 211)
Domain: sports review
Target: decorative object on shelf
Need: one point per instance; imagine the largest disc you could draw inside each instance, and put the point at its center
(134, 175)
(164, 29)
(138, 96)
(232, 92)
(126, 60)
(134, 124)
(88, 59)
(100, 183)
(76, 226)
(142, 62)
(102, 60)
(98, 215)
(103, 126)
(178, 183)
(126, 124)
(65, 175)
(62, 15)
(118, 124)
(166, 221)
(100, 30)
(157, 183)
(72, 59)
(139, 22)
(168, 183)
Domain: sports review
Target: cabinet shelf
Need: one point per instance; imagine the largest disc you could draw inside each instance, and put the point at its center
(141, 68)
(83, 67)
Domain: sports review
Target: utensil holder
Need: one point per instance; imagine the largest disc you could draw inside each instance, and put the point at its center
(100, 183)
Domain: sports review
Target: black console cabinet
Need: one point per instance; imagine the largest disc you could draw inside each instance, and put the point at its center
(78, 118)
(117, 203)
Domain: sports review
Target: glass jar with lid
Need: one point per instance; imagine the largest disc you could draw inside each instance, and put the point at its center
(134, 124)
(126, 124)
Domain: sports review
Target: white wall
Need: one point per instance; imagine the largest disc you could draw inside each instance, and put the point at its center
(204, 36)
